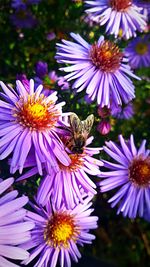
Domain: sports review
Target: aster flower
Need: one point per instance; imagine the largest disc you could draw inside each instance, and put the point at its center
(32, 120)
(69, 184)
(58, 232)
(138, 52)
(23, 18)
(118, 15)
(14, 229)
(131, 174)
(99, 68)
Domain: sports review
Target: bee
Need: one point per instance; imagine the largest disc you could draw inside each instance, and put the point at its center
(80, 131)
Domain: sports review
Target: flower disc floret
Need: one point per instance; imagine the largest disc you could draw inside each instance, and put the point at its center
(139, 171)
(106, 56)
(35, 113)
(141, 48)
(120, 5)
(60, 229)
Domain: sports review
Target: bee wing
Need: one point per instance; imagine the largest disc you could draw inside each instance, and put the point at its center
(81, 127)
(75, 124)
(87, 125)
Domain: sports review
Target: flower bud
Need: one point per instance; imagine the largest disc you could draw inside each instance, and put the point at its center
(104, 127)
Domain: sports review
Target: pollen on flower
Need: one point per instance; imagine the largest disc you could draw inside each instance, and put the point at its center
(35, 113)
(141, 48)
(77, 162)
(139, 171)
(120, 5)
(107, 57)
(60, 229)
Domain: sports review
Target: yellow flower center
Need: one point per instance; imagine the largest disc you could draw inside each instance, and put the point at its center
(139, 171)
(141, 48)
(120, 5)
(60, 229)
(107, 57)
(35, 113)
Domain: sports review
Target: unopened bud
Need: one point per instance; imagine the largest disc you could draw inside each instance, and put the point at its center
(104, 127)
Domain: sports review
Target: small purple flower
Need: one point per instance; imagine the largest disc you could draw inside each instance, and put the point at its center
(58, 232)
(23, 3)
(100, 68)
(129, 171)
(104, 127)
(125, 112)
(33, 121)
(138, 52)
(14, 228)
(23, 18)
(41, 69)
(118, 15)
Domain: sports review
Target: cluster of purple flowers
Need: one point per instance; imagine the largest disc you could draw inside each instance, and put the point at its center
(39, 136)
(42, 140)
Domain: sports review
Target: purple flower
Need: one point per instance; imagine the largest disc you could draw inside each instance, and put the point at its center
(130, 171)
(32, 120)
(23, 18)
(138, 52)
(14, 228)
(69, 184)
(119, 16)
(125, 112)
(23, 3)
(58, 232)
(41, 69)
(99, 68)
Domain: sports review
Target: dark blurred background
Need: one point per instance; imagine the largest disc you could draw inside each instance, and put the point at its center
(120, 242)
